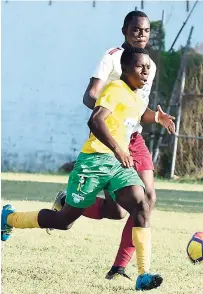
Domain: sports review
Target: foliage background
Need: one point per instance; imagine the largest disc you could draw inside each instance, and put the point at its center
(189, 160)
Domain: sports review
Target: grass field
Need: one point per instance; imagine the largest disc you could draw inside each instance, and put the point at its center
(75, 262)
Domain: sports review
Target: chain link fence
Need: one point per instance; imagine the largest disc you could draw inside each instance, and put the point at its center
(189, 158)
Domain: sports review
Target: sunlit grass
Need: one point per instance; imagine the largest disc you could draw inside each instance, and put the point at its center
(76, 261)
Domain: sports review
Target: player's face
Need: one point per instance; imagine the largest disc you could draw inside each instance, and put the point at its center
(138, 32)
(140, 71)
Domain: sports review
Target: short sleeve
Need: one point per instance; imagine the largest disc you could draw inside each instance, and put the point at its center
(108, 98)
(104, 68)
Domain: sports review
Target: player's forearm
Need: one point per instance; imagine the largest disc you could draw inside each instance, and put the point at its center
(92, 92)
(101, 132)
(149, 116)
(89, 99)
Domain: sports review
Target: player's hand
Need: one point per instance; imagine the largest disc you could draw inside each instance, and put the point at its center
(125, 159)
(166, 120)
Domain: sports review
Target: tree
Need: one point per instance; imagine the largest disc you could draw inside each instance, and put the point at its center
(157, 36)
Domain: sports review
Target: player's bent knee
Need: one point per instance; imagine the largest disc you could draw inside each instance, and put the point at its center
(112, 210)
(120, 213)
(151, 197)
(69, 226)
(141, 214)
(143, 207)
(129, 197)
(65, 227)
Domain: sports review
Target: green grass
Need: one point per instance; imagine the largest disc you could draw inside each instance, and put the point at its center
(169, 200)
(186, 179)
(75, 262)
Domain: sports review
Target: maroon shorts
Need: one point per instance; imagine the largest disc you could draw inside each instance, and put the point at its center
(140, 153)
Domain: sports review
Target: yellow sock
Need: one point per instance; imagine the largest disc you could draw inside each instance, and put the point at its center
(23, 220)
(142, 242)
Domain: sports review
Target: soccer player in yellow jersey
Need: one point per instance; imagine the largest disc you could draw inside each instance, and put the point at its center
(105, 163)
(136, 30)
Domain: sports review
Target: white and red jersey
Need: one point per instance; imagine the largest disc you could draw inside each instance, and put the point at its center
(109, 70)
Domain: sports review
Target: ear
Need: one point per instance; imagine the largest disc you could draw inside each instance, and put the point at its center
(124, 31)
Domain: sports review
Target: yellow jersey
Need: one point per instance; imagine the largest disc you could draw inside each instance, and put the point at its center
(126, 108)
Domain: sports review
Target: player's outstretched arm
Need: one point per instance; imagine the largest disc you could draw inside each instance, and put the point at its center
(166, 120)
(92, 92)
(99, 128)
(149, 116)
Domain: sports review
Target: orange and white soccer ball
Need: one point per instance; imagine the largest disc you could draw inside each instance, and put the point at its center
(195, 248)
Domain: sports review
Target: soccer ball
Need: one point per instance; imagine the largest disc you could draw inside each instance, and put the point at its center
(195, 248)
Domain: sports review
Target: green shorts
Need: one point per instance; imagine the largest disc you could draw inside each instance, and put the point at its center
(95, 172)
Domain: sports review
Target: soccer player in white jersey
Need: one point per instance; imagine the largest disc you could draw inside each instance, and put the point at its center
(136, 30)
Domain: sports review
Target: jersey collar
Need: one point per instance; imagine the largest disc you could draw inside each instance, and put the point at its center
(126, 45)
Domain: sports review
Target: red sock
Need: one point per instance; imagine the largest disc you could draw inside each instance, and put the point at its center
(126, 248)
(94, 211)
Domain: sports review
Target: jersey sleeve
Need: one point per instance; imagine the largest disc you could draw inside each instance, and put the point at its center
(108, 98)
(104, 68)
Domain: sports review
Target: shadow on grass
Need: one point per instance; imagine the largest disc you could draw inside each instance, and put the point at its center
(169, 200)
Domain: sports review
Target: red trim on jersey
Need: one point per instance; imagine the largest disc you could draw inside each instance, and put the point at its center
(113, 51)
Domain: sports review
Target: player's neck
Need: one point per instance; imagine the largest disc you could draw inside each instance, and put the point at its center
(126, 45)
(125, 79)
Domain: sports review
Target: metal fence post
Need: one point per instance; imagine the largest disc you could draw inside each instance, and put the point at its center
(173, 95)
(178, 123)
